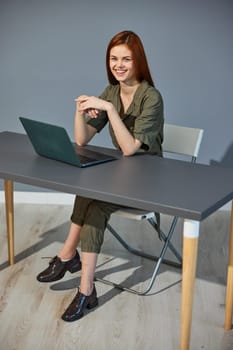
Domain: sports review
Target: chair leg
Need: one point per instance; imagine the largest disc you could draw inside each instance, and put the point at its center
(164, 238)
(137, 252)
(159, 260)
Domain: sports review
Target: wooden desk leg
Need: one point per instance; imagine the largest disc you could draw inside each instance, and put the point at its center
(9, 205)
(190, 247)
(229, 289)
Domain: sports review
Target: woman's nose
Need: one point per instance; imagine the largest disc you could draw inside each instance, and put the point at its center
(120, 64)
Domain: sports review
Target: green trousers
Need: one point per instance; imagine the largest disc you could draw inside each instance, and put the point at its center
(93, 216)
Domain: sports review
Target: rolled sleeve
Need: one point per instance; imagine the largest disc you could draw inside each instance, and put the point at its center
(148, 127)
(102, 119)
(99, 122)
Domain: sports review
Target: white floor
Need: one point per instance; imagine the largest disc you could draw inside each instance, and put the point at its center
(30, 311)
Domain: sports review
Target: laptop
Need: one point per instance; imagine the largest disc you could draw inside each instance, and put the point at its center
(53, 142)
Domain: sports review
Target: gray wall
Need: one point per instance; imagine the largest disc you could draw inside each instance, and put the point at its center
(54, 50)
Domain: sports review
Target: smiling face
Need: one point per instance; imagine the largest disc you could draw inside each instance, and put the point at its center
(122, 65)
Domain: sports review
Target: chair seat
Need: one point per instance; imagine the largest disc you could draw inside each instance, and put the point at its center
(134, 214)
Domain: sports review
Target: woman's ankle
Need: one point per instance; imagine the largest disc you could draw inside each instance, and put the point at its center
(87, 290)
(66, 256)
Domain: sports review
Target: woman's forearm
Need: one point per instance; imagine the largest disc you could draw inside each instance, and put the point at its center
(128, 144)
(82, 131)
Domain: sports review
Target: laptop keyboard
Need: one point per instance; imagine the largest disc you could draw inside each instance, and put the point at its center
(86, 155)
(85, 159)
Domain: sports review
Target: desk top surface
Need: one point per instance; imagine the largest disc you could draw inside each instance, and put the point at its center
(173, 187)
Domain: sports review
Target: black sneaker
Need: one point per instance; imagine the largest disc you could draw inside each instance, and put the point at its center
(75, 310)
(57, 268)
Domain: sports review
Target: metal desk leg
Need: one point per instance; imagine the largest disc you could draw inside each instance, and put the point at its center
(190, 247)
(9, 206)
(229, 290)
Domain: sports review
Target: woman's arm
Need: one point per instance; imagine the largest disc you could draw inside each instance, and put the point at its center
(83, 132)
(128, 144)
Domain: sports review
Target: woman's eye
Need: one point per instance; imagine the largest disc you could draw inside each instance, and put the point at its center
(127, 59)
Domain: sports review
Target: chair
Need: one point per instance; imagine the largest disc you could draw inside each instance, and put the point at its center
(179, 142)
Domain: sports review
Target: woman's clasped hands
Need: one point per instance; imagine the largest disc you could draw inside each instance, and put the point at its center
(91, 105)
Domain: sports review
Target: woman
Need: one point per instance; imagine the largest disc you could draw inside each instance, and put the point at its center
(133, 107)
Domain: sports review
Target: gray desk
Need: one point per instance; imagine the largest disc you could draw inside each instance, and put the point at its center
(191, 191)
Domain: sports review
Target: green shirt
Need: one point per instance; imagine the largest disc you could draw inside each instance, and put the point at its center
(144, 117)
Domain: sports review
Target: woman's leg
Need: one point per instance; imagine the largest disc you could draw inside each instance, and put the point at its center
(69, 248)
(80, 209)
(91, 236)
(68, 258)
(88, 272)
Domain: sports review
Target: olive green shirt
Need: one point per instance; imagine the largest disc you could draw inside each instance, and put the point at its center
(144, 118)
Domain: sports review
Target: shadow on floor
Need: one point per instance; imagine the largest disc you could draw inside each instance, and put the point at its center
(212, 254)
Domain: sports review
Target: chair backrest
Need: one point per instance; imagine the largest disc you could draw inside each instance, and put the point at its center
(181, 140)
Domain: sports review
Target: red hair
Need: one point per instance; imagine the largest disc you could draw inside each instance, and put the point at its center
(134, 43)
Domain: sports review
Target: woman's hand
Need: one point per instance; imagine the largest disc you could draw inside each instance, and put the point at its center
(91, 105)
